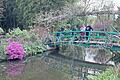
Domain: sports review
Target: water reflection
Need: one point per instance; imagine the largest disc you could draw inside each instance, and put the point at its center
(78, 69)
(56, 65)
(88, 54)
(34, 69)
(73, 51)
(14, 69)
(97, 55)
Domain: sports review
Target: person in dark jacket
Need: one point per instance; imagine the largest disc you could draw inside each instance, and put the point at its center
(58, 37)
(88, 28)
(58, 34)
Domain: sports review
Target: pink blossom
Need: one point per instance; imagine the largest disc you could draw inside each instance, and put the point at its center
(118, 65)
(15, 50)
(1, 36)
(9, 40)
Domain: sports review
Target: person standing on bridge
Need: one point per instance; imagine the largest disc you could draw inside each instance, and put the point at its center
(58, 34)
(88, 29)
(82, 33)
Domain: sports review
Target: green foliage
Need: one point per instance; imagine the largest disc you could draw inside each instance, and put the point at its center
(1, 10)
(32, 44)
(3, 44)
(1, 31)
(77, 21)
(109, 74)
(17, 32)
(22, 13)
(71, 22)
(116, 58)
(10, 13)
(118, 20)
(2, 51)
(34, 48)
(27, 9)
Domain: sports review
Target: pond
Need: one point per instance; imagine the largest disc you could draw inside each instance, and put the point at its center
(71, 63)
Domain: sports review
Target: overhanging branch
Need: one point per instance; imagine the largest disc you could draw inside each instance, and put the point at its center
(60, 17)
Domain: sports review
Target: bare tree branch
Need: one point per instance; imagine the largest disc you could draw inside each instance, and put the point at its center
(82, 14)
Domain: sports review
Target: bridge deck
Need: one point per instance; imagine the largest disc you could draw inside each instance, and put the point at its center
(90, 42)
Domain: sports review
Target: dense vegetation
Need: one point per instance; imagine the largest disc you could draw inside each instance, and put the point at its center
(48, 13)
(23, 14)
(109, 74)
(18, 42)
(20, 13)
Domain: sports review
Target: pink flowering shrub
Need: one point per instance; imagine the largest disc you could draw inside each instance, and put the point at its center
(15, 50)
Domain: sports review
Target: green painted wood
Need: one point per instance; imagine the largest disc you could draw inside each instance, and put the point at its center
(101, 36)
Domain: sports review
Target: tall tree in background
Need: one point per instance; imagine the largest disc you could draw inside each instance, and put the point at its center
(1, 11)
(21, 13)
(118, 20)
(8, 19)
(10, 14)
(27, 9)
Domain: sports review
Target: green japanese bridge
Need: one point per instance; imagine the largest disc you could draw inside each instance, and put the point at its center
(96, 39)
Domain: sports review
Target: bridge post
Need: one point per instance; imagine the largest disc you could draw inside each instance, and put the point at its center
(89, 36)
(73, 38)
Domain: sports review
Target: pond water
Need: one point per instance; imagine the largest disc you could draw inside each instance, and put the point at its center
(67, 64)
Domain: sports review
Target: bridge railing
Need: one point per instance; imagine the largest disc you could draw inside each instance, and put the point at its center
(100, 36)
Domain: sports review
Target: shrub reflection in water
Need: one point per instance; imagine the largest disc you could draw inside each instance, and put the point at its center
(14, 69)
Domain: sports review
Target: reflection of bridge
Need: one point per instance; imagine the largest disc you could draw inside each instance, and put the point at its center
(75, 67)
(96, 39)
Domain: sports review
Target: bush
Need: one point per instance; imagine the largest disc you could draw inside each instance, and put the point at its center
(109, 74)
(15, 51)
(30, 43)
(34, 47)
(1, 31)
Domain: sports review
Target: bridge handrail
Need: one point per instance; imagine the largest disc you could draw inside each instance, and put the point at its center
(98, 34)
(86, 31)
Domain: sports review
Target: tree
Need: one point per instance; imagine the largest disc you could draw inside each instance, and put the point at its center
(118, 19)
(21, 13)
(10, 14)
(27, 9)
(1, 11)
